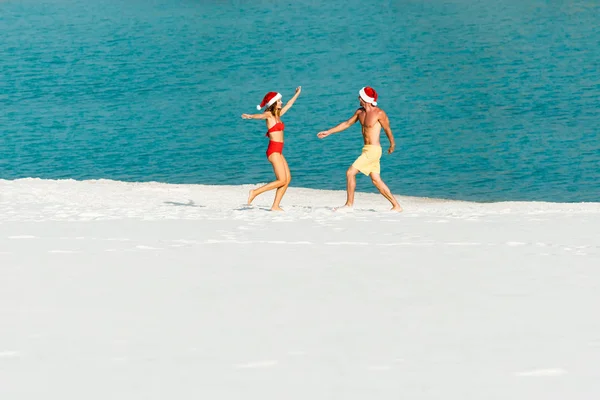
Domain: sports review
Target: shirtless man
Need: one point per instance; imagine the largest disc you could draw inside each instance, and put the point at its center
(372, 119)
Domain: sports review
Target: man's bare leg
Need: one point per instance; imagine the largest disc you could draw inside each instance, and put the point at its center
(279, 169)
(385, 191)
(350, 186)
(281, 190)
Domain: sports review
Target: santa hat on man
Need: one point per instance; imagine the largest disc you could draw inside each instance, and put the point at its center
(269, 99)
(369, 95)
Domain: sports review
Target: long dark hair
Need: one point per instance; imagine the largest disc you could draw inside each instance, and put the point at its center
(276, 112)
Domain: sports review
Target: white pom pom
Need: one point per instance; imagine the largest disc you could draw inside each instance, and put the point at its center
(374, 103)
(258, 108)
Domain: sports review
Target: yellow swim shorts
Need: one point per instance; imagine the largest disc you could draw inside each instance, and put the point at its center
(368, 161)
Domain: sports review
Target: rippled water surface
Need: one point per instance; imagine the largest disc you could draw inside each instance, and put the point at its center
(488, 100)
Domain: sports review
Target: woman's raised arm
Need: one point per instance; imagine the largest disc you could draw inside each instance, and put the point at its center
(291, 101)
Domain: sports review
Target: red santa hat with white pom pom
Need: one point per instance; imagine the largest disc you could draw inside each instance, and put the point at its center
(269, 99)
(369, 95)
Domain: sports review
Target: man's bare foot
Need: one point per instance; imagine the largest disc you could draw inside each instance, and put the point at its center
(276, 208)
(251, 196)
(397, 208)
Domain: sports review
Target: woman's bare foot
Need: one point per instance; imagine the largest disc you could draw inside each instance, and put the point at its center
(276, 208)
(397, 208)
(251, 196)
(344, 208)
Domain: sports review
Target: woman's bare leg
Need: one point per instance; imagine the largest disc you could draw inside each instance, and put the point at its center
(276, 159)
(281, 190)
(385, 191)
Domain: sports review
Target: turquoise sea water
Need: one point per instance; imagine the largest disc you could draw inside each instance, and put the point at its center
(488, 100)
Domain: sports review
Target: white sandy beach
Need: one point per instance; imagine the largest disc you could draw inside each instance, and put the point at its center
(112, 290)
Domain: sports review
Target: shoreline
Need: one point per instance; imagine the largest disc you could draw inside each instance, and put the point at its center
(235, 196)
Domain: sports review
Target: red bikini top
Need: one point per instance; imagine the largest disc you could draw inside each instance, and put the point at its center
(277, 127)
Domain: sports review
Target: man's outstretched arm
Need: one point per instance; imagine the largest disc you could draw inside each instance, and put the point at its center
(340, 127)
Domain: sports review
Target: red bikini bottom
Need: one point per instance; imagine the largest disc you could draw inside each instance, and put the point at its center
(274, 147)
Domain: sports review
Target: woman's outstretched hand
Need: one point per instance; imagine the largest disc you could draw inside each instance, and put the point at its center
(298, 89)
(246, 116)
(323, 134)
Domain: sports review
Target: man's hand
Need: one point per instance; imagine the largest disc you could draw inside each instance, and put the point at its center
(392, 148)
(323, 134)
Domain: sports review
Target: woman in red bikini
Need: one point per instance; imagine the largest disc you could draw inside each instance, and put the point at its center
(273, 113)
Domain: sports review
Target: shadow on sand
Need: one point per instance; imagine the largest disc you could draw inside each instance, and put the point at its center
(190, 203)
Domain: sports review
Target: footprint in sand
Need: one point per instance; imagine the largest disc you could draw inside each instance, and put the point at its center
(9, 354)
(542, 372)
(143, 247)
(379, 368)
(347, 243)
(257, 364)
